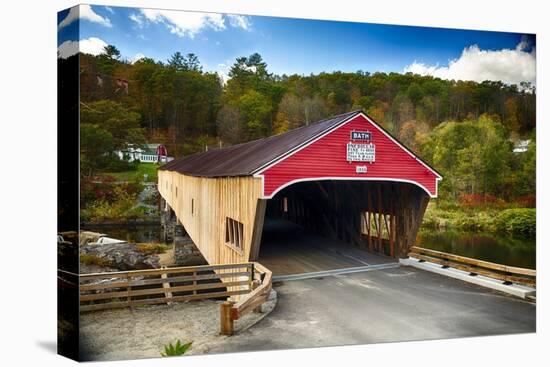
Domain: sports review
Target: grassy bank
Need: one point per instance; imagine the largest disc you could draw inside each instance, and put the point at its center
(104, 199)
(150, 169)
(515, 221)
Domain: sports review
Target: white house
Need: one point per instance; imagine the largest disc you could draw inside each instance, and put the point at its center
(149, 153)
(521, 146)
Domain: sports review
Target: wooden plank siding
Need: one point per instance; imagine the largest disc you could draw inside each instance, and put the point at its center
(214, 200)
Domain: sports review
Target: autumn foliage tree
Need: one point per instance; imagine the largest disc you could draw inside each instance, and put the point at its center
(464, 128)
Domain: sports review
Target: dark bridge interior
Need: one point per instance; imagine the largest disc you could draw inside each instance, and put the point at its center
(324, 225)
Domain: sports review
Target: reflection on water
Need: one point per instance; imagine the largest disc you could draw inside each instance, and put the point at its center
(491, 247)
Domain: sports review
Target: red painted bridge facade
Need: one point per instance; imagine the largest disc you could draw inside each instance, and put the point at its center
(326, 158)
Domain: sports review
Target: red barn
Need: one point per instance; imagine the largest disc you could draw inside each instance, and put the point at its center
(344, 177)
(162, 151)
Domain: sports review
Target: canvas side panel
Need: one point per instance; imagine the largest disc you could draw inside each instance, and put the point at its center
(67, 189)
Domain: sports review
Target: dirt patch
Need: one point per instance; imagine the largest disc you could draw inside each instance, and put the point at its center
(143, 332)
(167, 258)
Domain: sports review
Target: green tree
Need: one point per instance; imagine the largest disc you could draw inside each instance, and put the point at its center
(526, 174)
(511, 115)
(231, 129)
(176, 61)
(121, 123)
(108, 59)
(192, 63)
(248, 73)
(256, 110)
(111, 52)
(474, 156)
(96, 144)
(402, 110)
(414, 92)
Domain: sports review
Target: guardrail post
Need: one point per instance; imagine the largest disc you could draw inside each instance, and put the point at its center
(129, 290)
(251, 277)
(226, 321)
(256, 284)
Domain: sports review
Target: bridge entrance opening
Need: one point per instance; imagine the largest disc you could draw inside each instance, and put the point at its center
(335, 224)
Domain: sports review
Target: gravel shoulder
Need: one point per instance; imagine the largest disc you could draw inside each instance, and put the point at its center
(143, 332)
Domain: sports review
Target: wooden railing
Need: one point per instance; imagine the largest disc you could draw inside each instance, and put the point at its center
(507, 274)
(231, 311)
(100, 291)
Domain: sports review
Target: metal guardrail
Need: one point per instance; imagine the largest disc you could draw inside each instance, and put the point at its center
(507, 274)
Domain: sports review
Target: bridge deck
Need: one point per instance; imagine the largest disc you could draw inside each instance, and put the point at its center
(286, 249)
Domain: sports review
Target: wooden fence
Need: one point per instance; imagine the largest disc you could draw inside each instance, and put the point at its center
(231, 311)
(507, 274)
(153, 286)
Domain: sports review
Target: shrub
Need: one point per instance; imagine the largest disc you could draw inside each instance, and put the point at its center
(176, 350)
(430, 220)
(91, 259)
(480, 200)
(152, 248)
(517, 221)
(466, 222)
(97, 188)
(123, 208)
(527, 201)
(104, 188)
(120, 165)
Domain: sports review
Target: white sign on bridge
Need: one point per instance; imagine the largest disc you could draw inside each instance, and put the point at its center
(360, 152)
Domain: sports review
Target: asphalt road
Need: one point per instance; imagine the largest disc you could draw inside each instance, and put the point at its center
(400, 304)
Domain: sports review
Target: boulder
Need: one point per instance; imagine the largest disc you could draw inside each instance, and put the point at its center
(122, 256)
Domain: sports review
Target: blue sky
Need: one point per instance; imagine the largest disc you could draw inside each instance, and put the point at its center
(301, 46)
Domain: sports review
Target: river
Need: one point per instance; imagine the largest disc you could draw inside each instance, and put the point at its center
(500, 249)
(130, 233)
(492, 247)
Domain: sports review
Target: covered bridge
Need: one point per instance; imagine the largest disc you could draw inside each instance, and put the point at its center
(344, 177)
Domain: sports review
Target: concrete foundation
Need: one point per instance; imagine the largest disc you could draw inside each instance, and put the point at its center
(168, 221)
(186, 252)
(513, 289)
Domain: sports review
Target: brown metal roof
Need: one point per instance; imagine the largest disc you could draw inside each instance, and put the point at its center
(244, 159)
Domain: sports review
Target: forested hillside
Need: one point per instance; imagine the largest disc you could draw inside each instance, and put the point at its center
(465, 129)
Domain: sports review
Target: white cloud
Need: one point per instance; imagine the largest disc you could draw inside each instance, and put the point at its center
(93, 46)
(137, 57)
(239, 21)
(189, 24)
(67, 48)
(510, 66)
(184, 24)
(109, 9)
(252, 68)
(84, 12)
(223, 71)
(138, 19)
